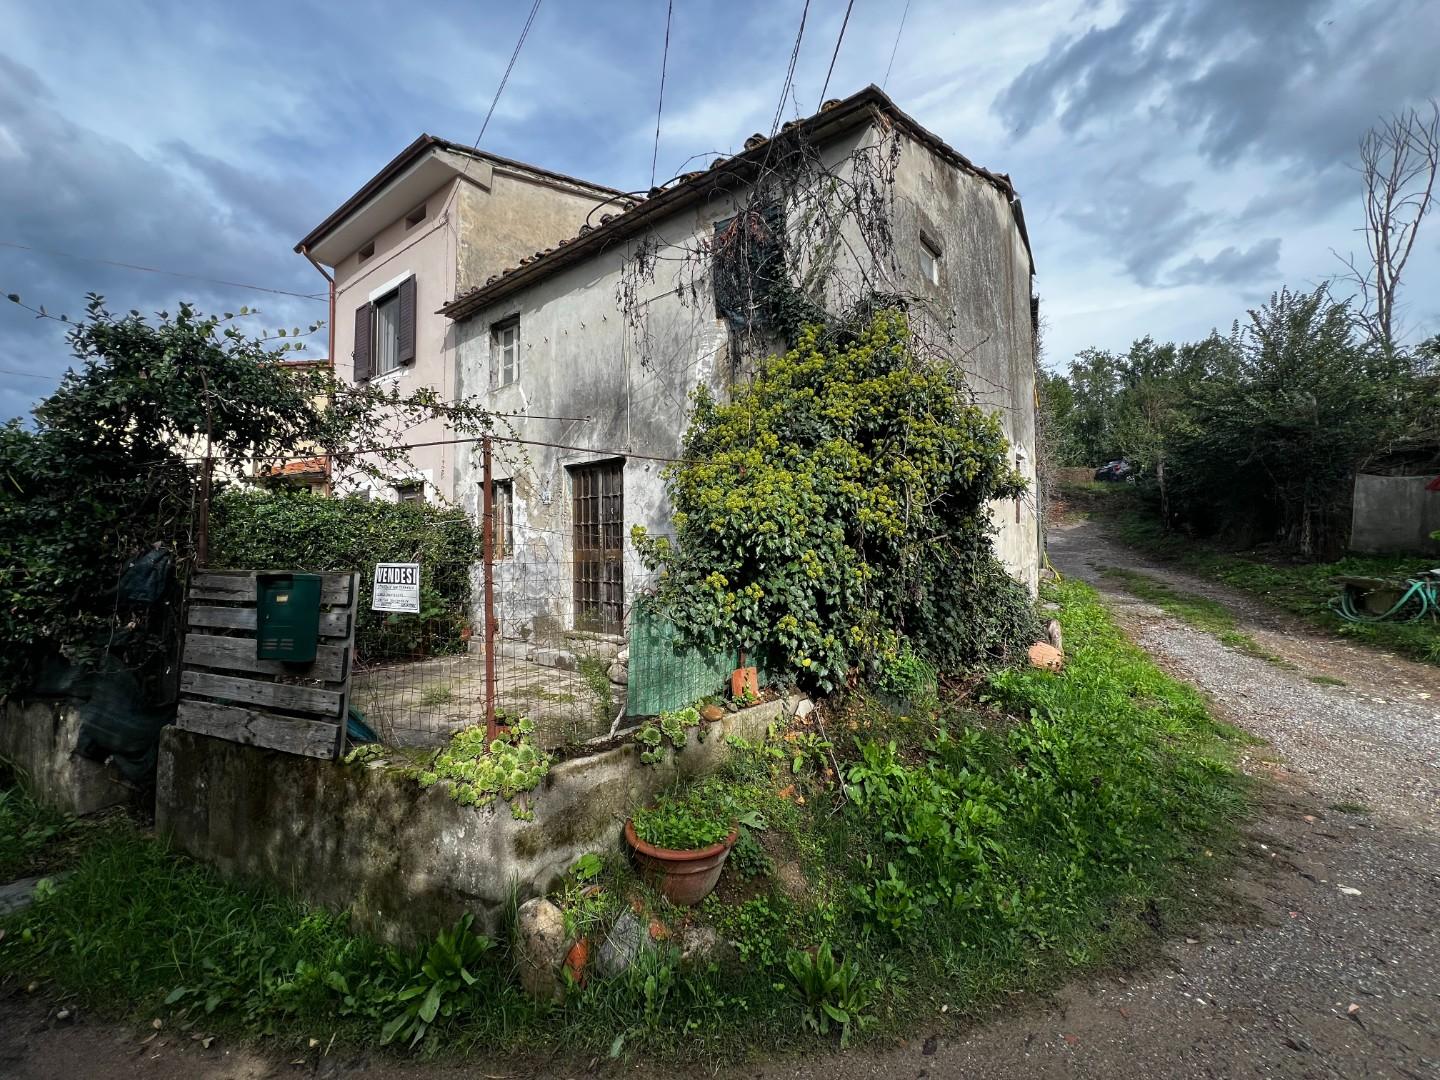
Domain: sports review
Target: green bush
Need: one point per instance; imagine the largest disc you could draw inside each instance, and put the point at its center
(297, 530)
(839, 504)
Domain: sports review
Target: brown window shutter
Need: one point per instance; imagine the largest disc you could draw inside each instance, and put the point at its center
(407, 321)
(363, 364)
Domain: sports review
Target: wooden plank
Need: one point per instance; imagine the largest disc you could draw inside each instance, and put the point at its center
(238, 654)
(240, 585)
(333, 624)
(311, 738)
(327, 703)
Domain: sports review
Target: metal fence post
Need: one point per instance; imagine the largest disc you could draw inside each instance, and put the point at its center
(487, 531)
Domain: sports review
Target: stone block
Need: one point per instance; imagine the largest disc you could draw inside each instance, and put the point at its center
(39, 739)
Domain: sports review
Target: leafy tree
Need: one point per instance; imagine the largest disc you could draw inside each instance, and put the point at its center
(837, 510)
(1282, 422)
(110, 466)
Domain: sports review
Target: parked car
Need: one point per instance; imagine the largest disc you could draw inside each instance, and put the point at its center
(1114, 471)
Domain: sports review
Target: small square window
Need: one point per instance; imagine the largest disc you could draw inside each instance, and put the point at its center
(929, 260)
(412, 491)
(502, 509)
(366, 251)
(415, 216)
(505, 351)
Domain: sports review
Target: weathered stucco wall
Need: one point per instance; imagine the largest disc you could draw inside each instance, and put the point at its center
(1394, 514)
(475, 225)
(978, 314)
(631, 368)
(38, 738)
(407, 861)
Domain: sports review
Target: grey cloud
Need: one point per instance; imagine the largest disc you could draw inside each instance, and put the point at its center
(1292, 79)
(1143, 224)
(76, 190)
(1231, 266)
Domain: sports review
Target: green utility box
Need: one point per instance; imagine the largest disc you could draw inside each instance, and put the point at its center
(287, 618)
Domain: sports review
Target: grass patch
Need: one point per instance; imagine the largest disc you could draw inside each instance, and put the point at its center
(29, 832)
(950, 855)
(1198, 611)
(1326, 680)
(436, 695)
(1303, 589)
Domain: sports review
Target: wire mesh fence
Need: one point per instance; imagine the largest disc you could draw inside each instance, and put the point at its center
(553, 643)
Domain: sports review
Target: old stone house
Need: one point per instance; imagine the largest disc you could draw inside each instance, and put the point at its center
(621, 322)
(587, 317)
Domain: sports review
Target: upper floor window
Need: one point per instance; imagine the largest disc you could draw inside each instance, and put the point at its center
(929, 260)
(415, 216)
(505, 351)
(412, 491)
(366, 251)
(385, 332)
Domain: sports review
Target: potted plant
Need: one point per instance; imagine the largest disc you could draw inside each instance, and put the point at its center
(681, 842)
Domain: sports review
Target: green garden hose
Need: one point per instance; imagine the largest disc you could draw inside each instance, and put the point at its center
(1421, 593)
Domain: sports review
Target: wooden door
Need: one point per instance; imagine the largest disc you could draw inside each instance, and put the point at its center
(599, 546)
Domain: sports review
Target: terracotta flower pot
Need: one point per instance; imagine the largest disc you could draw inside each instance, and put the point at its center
(685, 877)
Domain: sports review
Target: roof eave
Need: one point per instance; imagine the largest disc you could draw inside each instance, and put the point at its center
(850, 112)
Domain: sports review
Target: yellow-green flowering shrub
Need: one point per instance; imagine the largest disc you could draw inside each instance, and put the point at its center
(835, 510)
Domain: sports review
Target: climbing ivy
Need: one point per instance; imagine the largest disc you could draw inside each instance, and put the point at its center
(836, 512)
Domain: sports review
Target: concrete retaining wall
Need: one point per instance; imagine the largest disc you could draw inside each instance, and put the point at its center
(408, 861)
(39, 738)
(1394, 514)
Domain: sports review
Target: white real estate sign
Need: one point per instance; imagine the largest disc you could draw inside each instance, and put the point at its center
(397, 587)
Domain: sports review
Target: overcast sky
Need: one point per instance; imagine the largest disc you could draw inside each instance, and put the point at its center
(1178, 160)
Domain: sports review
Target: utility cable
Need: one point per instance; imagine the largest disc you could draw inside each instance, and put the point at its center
(790, 71)
(660, 105)
(895, 48)
(167, 273)
(844, 23)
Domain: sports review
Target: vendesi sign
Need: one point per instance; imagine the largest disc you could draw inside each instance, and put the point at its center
(397, 587)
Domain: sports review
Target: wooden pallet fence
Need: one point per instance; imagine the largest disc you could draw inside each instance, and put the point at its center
(227, 691)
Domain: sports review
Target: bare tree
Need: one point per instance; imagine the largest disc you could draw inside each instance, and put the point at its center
(1399, 159)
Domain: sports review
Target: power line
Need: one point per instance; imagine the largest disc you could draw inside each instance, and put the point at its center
(29, 374)
(789, 72)
(524, 33)
(885, 81)
(660, 105)
(167, 273)
(844, 23)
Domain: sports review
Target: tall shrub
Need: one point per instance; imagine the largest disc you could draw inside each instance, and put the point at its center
(836, 511)
(297, 530)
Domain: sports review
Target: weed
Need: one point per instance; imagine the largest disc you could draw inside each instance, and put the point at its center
(596, 673)
(1326, 680)
(684, 822)
(748, 858)
(27, 829)
(439, 984)
(432, 696)
(829, 992)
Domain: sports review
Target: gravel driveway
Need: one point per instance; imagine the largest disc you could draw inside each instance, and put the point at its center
(1332, 969)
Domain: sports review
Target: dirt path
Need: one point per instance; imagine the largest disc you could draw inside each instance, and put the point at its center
(1334, 971)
